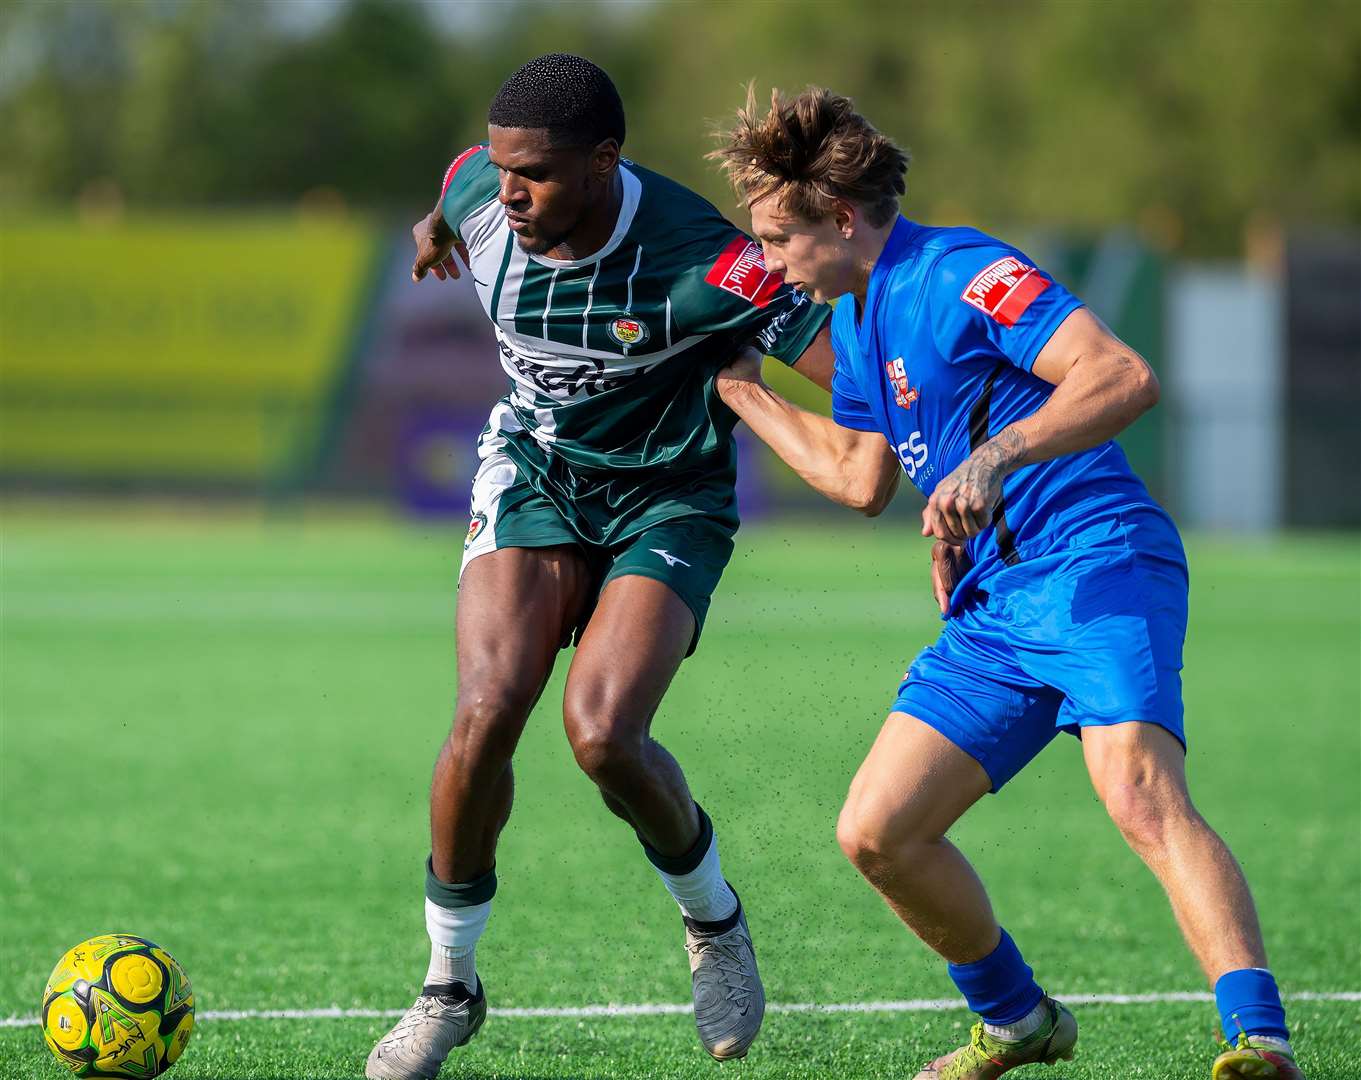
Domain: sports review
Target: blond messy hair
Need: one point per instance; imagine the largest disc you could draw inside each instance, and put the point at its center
(810, 151)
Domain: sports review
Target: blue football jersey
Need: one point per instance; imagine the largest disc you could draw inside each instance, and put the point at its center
(940, 361)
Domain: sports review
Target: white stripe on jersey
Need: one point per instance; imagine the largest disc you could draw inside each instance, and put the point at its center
(590, 297)
(628, 302)
(484, 233)
(510, 287)
(559, 355)
(548, 303)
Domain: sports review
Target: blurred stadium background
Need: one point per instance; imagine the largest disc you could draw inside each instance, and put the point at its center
(205, 214)
(236, 444)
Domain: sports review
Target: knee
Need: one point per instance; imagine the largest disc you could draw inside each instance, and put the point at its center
(605, 753)
(873, 840)
(1145, 813)
(606, 746)
(487, 725)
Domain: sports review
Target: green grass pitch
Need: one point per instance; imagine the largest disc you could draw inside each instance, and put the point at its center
(218, 733)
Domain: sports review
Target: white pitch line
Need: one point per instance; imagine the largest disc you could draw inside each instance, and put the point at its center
(584, 1012)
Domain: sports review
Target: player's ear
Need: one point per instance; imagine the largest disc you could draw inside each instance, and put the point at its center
(604, 158)
(845, 217)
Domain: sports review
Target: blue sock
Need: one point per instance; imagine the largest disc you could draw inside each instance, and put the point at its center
(1000, 988)
(1249, 1001)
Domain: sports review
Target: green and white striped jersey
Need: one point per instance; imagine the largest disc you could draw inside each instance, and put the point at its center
(612, 358)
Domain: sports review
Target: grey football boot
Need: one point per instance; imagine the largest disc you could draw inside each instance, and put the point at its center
(442, 1018)
(730, 1001)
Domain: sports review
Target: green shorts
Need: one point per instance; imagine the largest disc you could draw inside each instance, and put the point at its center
(677, 533)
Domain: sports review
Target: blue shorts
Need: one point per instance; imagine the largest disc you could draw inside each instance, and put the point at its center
(1057, 643)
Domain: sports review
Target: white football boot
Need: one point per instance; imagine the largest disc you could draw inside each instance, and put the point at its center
(442, 1018)
(730, 1001)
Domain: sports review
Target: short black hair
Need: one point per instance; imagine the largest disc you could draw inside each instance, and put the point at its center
(566, 94)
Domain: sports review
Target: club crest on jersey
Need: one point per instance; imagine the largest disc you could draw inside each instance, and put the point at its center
(475, 527)
(1004, 289)
(741, 270)
(903, 392)
(629, 331)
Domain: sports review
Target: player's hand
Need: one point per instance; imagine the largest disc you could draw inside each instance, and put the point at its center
(948, 565)
(435, 247)
(743, 371)
(962, 504)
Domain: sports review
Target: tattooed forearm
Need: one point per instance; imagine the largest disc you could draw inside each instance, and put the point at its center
(962, 504)
(985, 467)
(1004, 451)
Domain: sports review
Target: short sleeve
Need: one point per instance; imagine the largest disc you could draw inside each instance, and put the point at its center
(733, 292)
(849, 407)
(990, 299)
(470, 182)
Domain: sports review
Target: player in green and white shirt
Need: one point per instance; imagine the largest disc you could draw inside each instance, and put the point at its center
(603, 508)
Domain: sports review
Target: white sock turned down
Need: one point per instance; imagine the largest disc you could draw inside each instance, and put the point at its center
(453, 942)
(1030, 1023)
(702, 894)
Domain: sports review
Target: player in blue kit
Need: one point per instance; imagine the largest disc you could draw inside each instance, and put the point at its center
(1062, 583)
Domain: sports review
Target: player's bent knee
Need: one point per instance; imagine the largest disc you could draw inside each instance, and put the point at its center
(873, 839)
(487, 726)
(605, 752)
(1143, 814)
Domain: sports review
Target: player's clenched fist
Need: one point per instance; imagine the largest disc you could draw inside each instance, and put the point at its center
(435, 245)
(962, 505)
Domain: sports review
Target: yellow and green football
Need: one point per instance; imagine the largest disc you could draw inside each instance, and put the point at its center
(117, 1005)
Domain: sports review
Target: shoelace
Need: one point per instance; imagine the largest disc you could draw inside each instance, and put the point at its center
(728, 962)
(407, 1026)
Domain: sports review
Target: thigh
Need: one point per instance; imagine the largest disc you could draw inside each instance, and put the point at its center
(1139, 755)
(914, 781)
(969, 688)
(516, 609)
(631, 648)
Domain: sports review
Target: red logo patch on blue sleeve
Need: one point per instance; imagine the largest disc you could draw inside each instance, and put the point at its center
(741, 270)
(1004, 289)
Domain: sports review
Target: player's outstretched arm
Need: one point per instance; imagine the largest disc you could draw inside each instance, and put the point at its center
(855, 468)
(1101, 387)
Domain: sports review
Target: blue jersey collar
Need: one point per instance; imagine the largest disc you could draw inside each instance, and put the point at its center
(888, 258)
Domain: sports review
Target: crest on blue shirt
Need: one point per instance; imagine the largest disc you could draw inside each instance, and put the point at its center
(903, 393)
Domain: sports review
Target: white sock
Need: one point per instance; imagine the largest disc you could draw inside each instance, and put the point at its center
(453, 942)
(1030, 1023)
(702, 894)
(1270, 1042)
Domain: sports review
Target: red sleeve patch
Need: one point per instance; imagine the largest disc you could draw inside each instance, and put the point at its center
(741, 270)
(453, 167)
(1004, 289)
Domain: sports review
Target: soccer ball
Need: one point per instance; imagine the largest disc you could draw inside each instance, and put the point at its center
(117, 1005)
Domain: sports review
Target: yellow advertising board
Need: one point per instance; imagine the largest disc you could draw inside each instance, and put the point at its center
(194, 348)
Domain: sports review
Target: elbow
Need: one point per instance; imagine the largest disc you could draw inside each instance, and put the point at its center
(1145, 391)
(870, 499)
(875, 505)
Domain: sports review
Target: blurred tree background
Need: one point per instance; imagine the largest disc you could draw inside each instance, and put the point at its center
(1190, 121)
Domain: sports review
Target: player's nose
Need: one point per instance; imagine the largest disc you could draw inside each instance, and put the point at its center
(512, 190)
